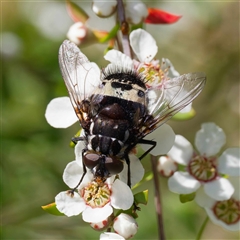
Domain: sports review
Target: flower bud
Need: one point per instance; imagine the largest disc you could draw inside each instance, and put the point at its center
(77, 33)
(100, 225)
(136, 12)
(110, 236)
(104, 8)
(125, 225)
(166, 166)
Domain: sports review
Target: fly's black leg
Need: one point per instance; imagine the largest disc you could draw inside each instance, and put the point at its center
(77, 139)
(129, 171)
(84, 173)
(149, 142)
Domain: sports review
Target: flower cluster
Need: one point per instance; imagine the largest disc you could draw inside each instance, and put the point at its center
(207, 174)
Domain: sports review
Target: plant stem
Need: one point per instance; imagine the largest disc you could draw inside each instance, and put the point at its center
(158, 205)
(199, 235)
(124, 28)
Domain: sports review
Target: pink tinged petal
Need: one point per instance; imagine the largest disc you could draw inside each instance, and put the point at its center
(181, 151)
(60, 113)
(210, 139)
(122, 197)
(215, 220)
(158, 16)
(229, 162)
(111, 236)
(182, 183)
(164, 137)
(166, 166)
(72, 174)
(69, 205)
(143, 45)
(137, 170)
(97, 214)
(219, 189)
(202, 199)
(118, 58)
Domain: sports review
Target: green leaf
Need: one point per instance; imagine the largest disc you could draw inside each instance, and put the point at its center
(147, 177)
(51, 208)
(184, 116)
(76, 13)
(141, 197)
(110, 35)
(72, 144)
(187, 197)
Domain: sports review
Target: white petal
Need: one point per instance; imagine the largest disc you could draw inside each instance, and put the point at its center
(97, 214)
(78, 151)
(166, 63)
(68, 205)
(210, 139)
(72, 174)
(202, 199)
(164, 136)
(143, 45)
(166, 166)
(181, 151)
(183, 183)
(229, 162)
(118, 58)
(122, 197)
(137, 170)
(111, 236)
(219, 189)
(230, 227)
(60, 113)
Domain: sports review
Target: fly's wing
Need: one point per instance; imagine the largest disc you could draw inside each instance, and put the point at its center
(171, 97)
(81, 77)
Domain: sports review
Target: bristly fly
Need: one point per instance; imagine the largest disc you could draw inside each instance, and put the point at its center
(119, 110)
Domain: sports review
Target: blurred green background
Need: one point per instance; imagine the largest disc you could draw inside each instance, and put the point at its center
(34, 154)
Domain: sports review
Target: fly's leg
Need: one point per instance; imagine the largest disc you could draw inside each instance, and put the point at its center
(83, 175)
(77, 139)
(149, 142)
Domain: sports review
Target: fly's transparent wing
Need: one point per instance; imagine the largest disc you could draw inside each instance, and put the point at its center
(171, 97)
(81, 77)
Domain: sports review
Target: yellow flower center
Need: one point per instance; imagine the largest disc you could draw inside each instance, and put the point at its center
(95, 194)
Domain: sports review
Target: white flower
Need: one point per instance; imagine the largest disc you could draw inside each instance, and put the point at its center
(104, 8)
(77, 32)
(95, 200)
(125, 225)
(136, 11)
(223, 213)
(111, 236)
(204, 169)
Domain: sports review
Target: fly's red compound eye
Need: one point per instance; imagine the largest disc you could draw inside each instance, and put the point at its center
(114, 165)
(91, 160)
